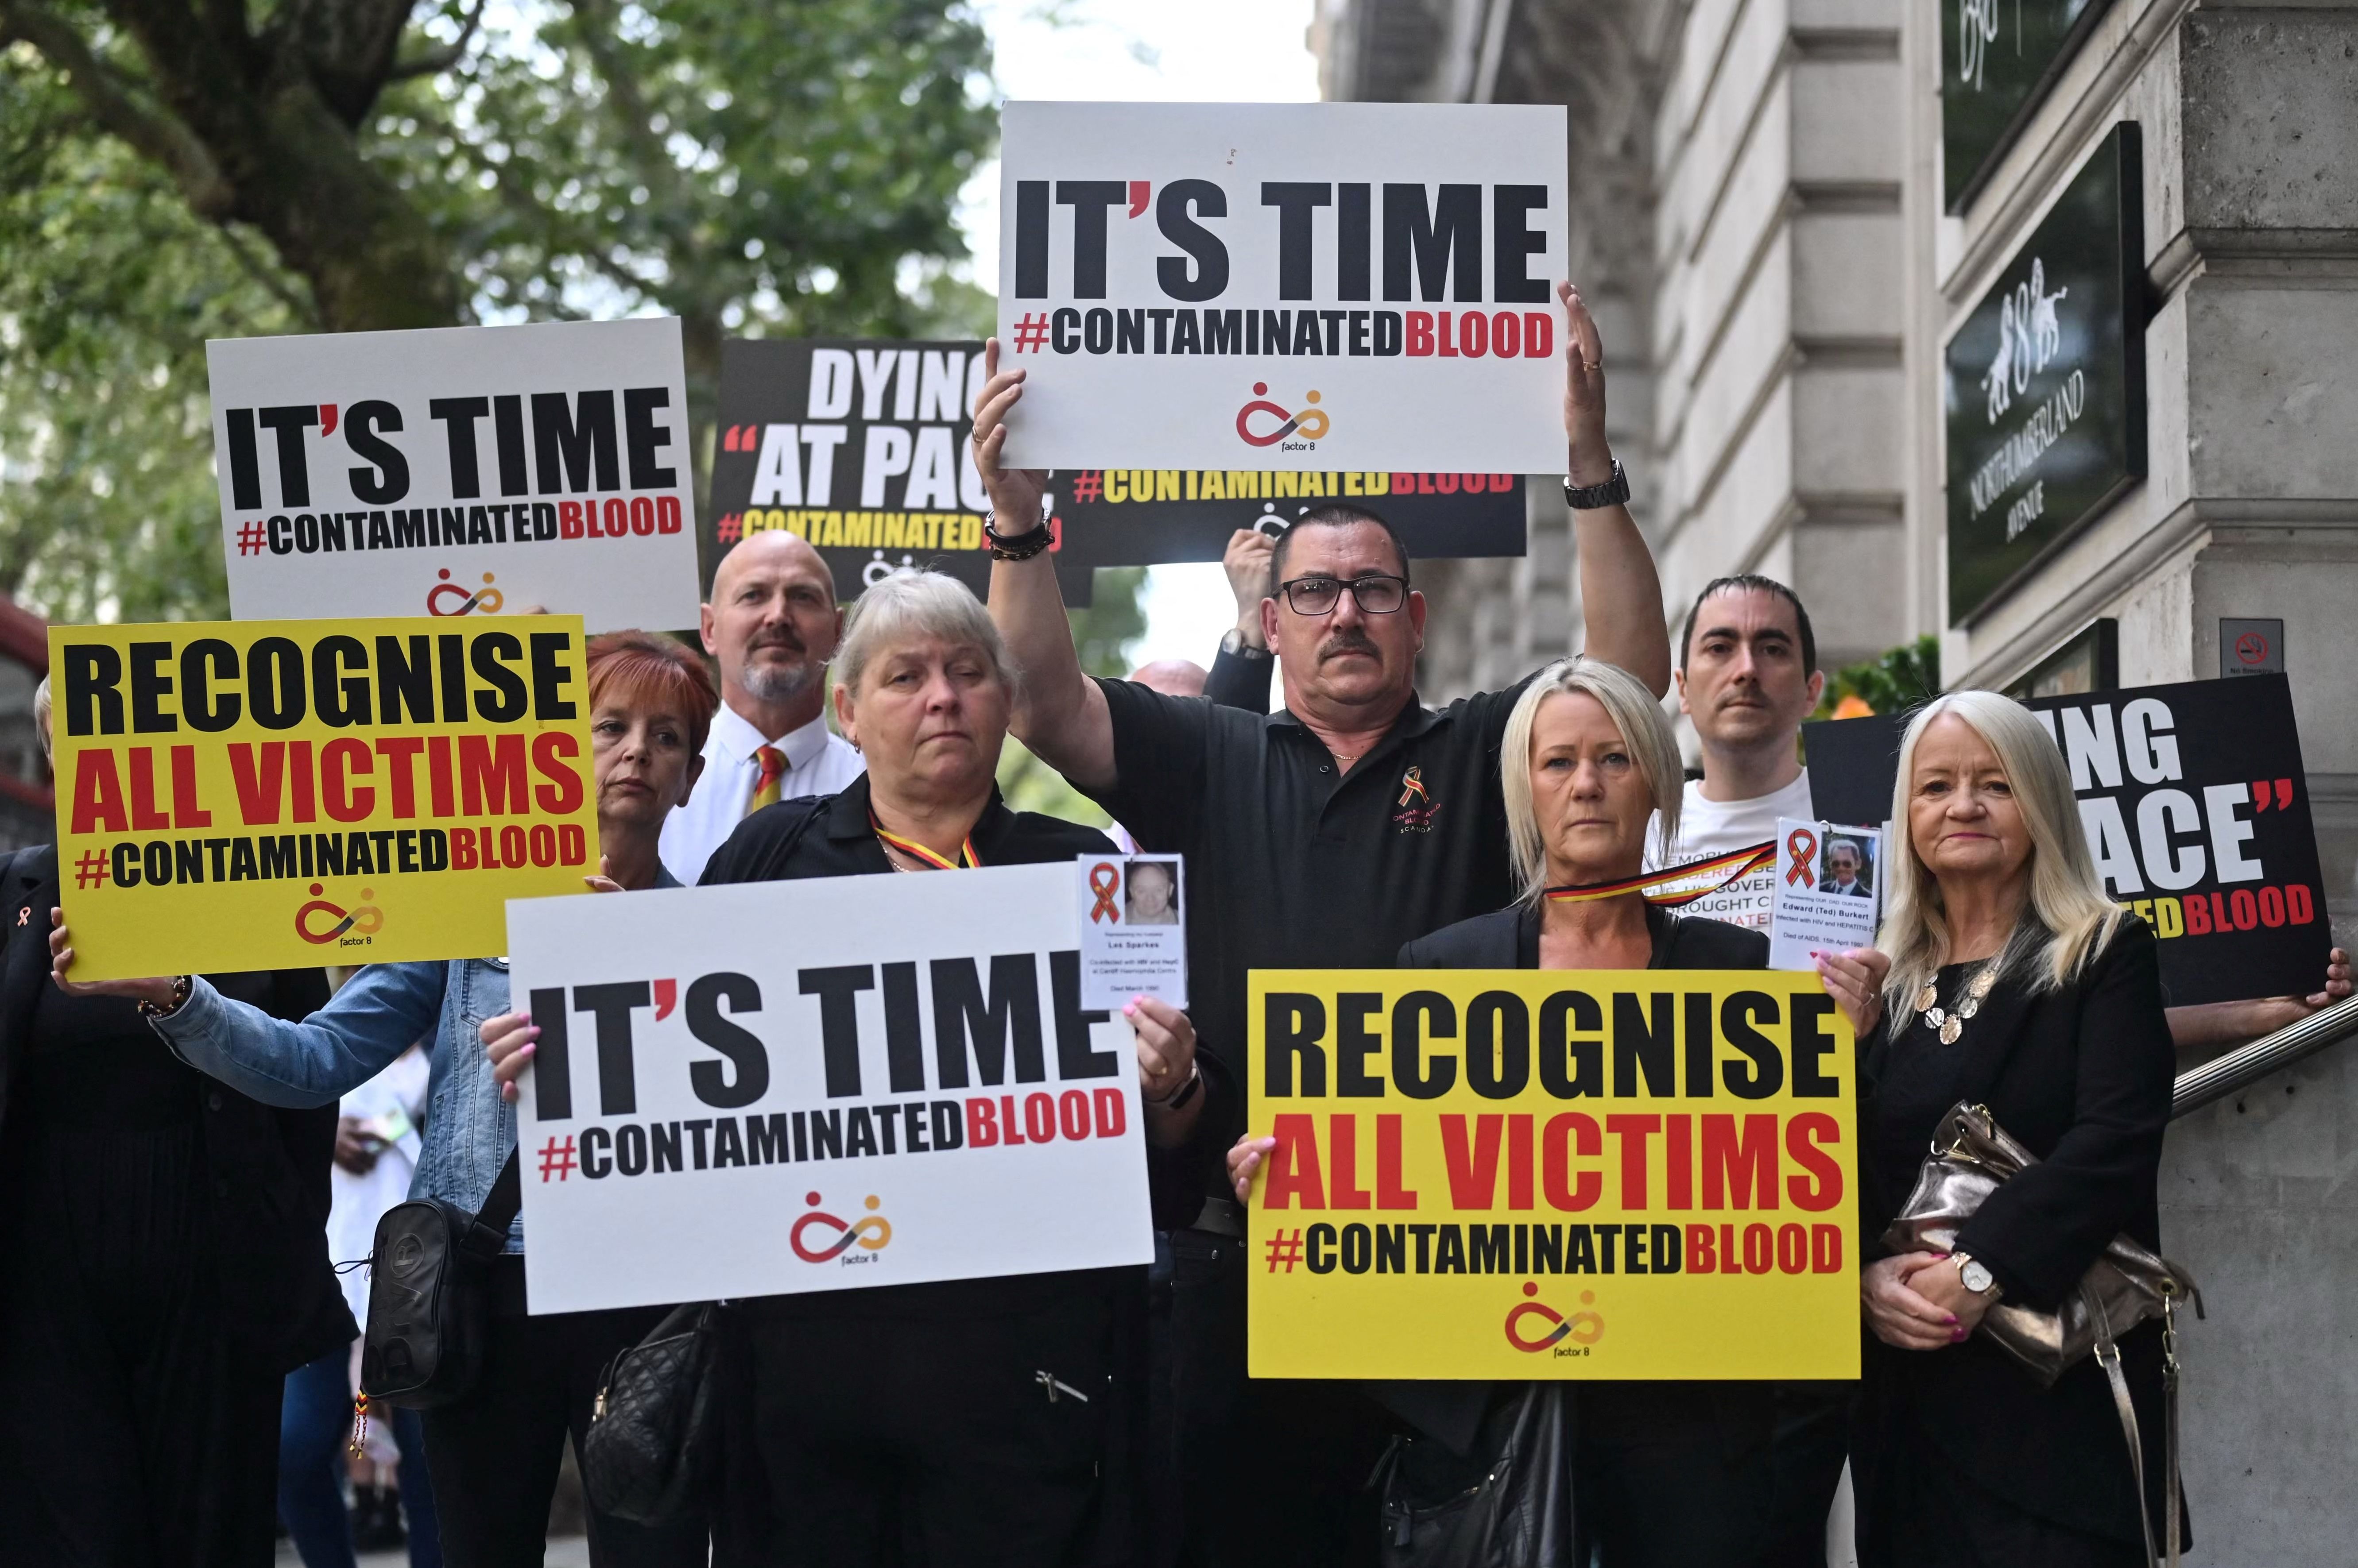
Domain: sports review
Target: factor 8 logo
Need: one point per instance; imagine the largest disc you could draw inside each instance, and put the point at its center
(1550, 1327)
(871, 1233)
(365, 920)
(447, 597)
(1311, 424)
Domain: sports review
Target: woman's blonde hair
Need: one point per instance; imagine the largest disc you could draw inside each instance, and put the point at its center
(2066, 920)
(1644, 729)
(919, 604)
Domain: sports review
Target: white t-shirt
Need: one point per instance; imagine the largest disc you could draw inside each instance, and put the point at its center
(1709, 827)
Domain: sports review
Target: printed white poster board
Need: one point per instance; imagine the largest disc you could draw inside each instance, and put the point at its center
(458, 470)
(825, 1084)
(1310, 285)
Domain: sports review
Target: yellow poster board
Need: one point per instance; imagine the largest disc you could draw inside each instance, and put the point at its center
(258, 794)
(1525, 1174)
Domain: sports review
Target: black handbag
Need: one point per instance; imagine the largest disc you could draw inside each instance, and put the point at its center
(428, 1283)
(645, 1456)
(1509, 1505)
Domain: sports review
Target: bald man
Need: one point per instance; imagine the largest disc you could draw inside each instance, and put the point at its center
(773, 624)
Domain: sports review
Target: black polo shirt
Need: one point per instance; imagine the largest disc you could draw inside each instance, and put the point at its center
(831, 836)
(1294, 863)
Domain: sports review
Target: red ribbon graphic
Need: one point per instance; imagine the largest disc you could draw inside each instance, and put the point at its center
(1801, 848)
(1104, 881)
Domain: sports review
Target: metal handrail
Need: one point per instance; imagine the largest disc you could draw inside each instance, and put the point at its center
(2247, 1064)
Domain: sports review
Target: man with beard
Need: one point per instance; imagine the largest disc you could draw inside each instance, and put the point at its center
(1324, 835)
(773, 624)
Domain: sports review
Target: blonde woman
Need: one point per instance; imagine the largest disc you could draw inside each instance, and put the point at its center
(2016, 984)
(1664, 1473)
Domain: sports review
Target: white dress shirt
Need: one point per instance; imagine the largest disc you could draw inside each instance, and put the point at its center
(818, 762)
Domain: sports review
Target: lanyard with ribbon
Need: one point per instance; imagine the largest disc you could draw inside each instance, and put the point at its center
(916, 851)
(1675, 887)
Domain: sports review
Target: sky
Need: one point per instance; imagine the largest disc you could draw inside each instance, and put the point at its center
(1212, 52)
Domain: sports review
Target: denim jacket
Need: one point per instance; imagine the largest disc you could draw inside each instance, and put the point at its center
(385, 1009)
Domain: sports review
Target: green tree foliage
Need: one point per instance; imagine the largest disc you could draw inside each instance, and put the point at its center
(175, 172)
(1893, 683)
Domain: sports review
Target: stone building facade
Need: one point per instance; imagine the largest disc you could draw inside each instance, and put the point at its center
(1763, 207)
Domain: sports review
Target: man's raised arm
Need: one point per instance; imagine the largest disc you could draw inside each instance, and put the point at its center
(1059, 712)
(1620, 595)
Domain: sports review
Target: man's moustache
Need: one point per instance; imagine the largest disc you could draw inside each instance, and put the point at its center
(1347, 642)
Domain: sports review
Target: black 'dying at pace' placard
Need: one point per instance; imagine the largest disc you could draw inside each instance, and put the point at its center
(861, 448)
(2045, 384)
(2196, 806)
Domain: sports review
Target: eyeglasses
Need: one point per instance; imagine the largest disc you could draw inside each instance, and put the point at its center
(1375, 594)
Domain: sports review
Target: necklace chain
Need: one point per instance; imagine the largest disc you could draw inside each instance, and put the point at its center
(1949, 1023)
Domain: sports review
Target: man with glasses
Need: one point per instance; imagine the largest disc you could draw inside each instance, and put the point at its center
(1323, 836)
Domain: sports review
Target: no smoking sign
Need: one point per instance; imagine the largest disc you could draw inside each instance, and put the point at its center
(2250, 647)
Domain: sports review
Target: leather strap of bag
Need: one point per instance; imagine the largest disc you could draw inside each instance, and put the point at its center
(2108, 1355)
(488, 1234)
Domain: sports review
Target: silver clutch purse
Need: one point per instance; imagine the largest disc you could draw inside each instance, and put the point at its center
(1972, 1156)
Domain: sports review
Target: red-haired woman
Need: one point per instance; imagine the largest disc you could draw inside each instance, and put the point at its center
(494, 1455)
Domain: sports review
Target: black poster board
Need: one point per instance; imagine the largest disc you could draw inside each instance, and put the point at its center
(892, 419)
(871, 464)
(1998, 57)
(2045, 384)
(2197, 809)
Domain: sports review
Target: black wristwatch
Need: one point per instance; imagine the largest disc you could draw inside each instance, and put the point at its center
(1614, 491)
(1235, 645)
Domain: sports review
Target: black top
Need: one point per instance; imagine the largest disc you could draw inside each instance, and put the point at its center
(1306, 866)
(831, 836)
(2082, 1077)
(1237, 681)
(1509, 938)
(68, 1062)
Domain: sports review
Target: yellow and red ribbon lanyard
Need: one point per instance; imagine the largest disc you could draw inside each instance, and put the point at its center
(916, 851)
(1671, 886)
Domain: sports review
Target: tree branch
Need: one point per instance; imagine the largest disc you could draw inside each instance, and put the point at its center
(154, 133)
(304, 311)
(434, 62)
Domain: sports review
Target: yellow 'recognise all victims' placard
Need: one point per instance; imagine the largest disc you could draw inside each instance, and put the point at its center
(259, 795)
(1522, 1174)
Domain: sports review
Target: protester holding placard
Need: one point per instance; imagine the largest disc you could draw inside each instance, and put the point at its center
(771, 624)
(494, 1453)
(1747, 676)
(2016, 984)
(1669, 1473)
(165, 1264)
(986, 1420)
(1324, 835)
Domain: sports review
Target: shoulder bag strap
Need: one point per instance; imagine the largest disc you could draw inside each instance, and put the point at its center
(2108, 1355)
(490, 1231)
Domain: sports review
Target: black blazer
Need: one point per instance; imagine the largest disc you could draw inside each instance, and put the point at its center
(268, 1167)
(2082, 1077)
(1509, 939)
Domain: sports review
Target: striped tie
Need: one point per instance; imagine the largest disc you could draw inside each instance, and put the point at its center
(765, 788)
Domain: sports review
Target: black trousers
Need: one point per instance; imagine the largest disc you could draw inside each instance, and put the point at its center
(1675, 1474)
(859, 1439)
(1271, 1471)
(494, 1455)
(1811, 1441)
(132, 1433)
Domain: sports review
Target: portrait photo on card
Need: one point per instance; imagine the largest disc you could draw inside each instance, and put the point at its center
(1847, 865)
(1151, 892)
